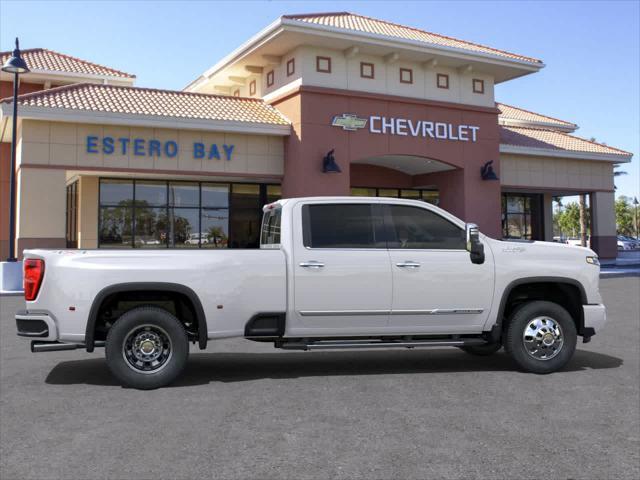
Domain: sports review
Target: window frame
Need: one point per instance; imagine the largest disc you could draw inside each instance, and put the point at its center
(252, 88)
(319, 58)
(445, 77)
(373, 70)
(291, 66)
(270, 78)
(480, 82)
(410, 72)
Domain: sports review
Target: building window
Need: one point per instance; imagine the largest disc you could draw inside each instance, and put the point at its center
(291, 67)
(236, 93)
(430, 196)
(406, 75)
(72, 215)
(252, 88)
(478, 86)
(181, 214)
(367, 70)
(521, 216)
(270, 78)
(443, 80)
(323, 64)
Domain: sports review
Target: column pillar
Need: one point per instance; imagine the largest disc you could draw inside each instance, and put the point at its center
(547, 217)
(88, 212)
(603, 225)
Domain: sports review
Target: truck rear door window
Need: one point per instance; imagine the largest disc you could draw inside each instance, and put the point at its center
(418, 228)
(271, 228)
(342, 226)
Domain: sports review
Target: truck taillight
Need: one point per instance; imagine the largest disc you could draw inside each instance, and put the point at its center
(33, 273)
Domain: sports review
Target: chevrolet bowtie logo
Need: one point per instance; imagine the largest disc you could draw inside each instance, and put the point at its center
(349, 122)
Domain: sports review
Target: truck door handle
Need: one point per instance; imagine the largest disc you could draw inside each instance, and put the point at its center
(408, 264)
(312, 264)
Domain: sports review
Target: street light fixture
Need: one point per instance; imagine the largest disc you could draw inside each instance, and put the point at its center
(16, 65)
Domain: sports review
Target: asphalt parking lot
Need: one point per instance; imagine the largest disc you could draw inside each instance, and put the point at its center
(246, 410)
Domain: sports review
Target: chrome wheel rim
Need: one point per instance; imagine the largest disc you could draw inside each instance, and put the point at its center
(147, 349)
(543, 338)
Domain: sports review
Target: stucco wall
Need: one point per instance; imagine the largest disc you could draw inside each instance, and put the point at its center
(345, 74)
(555, 173)
(88, 212)
(65, 144)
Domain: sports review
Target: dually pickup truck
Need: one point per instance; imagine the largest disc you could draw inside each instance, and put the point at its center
(331, 273)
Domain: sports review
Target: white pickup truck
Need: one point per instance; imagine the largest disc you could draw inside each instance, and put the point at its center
(332, 273)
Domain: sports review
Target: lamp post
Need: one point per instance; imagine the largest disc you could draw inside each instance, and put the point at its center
(635, 214)
(16, 65)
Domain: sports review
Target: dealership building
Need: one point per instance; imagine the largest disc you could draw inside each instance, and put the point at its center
(317, 104)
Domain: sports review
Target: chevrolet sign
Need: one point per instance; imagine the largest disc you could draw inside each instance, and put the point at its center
(349, 122)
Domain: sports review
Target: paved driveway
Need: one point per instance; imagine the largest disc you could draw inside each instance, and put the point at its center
(246, 410)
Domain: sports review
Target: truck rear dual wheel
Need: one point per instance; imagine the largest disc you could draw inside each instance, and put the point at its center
(146, 348)
(541, 337)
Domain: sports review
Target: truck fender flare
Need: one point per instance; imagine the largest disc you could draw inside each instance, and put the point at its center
(496, 329)
(139, 286)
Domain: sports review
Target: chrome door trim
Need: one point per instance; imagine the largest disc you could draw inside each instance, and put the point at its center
(340, 313)
(435, 311)
(440, 311)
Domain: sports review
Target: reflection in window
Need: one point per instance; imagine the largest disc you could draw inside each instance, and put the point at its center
(160, 214)
(518, 213)
(417, 228)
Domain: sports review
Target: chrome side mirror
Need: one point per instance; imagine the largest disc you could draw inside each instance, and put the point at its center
(474, 245)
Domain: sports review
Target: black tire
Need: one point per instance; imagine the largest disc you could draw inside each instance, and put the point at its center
(129, 342)
(531, 326)
(482, 350)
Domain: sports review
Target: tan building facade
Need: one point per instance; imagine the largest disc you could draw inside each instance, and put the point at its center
(404, 113)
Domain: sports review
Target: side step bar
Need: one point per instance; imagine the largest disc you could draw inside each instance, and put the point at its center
(37, 346)
(348, 344)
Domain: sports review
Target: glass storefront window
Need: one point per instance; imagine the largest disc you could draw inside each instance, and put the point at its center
(520, 215)
(116, 227)
(430, 196)
(116, 192)
(184, 228)
(246, 216)
(215, 227)
(178, 214)
(274, 193)
(183, 194)
(151, 194)
(151, 227)
(388, 192)
(215, 195)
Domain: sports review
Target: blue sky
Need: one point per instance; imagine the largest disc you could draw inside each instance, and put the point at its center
(591, 49)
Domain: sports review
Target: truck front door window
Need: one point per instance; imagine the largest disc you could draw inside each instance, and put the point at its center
(418, 228)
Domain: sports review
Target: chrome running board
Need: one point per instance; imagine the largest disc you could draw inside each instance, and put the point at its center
(310, 344)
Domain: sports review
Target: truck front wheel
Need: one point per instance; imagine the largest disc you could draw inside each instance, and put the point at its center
(147, 348)
(541, 337)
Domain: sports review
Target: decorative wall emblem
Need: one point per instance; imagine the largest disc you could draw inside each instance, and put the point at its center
(349, 121)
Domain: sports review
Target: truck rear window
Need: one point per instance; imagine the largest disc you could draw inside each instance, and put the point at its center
(270, 234)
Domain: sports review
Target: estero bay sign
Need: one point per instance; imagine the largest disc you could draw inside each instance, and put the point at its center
(160, 148)
(408, 127)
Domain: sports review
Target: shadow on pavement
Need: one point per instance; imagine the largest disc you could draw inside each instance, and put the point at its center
(204, 368)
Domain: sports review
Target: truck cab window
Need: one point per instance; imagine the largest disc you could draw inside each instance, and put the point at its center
(271, 227)
(341, 226)
(418, 228)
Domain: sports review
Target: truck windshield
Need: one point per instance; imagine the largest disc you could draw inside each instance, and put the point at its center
(270, 234)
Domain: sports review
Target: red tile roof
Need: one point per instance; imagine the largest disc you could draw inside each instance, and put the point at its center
(147, 101)
(360, 23)
(48, 60)
(516, 113)
(553, 140)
